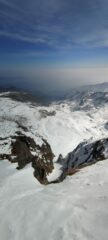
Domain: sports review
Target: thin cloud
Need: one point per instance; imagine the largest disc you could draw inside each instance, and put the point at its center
(59, 24)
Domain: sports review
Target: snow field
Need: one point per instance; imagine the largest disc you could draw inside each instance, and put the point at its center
(75, 209)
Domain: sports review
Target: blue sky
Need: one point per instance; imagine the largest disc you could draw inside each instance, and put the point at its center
(40, 38)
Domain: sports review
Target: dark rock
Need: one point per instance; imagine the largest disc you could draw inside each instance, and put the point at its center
(45, 113)
(21, 153)
(83, 155)
(43, 164)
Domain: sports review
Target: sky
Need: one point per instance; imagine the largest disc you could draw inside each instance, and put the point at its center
(53, 44)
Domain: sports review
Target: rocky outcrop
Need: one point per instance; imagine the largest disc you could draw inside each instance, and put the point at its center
(84, 155)
(45, 113)
(87, 153)
(24, 150)
(43, 162)
(20, 150)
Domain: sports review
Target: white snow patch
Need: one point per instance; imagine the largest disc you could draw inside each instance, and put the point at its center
(63, 131)
(74, 209)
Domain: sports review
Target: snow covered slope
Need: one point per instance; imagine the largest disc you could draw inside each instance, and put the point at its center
(63, 124)
(88, 100)
(76, 209)
(99, 87)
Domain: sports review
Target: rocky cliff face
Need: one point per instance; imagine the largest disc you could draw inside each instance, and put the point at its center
(24, 150)
(84, 154)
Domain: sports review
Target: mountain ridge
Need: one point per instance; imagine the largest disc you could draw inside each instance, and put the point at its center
(63, 124)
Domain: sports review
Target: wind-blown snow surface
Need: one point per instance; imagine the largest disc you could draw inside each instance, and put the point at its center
(74, 209)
